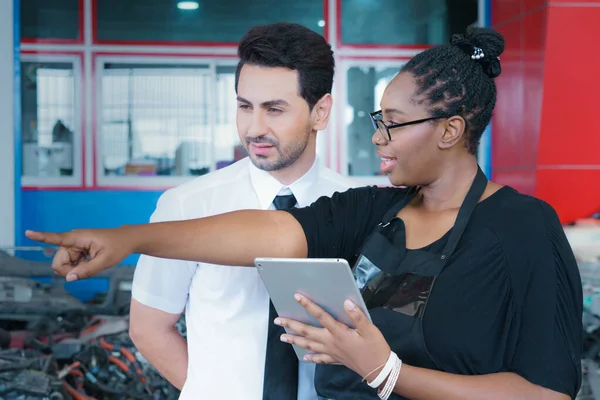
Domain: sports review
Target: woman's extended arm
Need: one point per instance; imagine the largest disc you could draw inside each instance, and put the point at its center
(330, 227)
(234, 238)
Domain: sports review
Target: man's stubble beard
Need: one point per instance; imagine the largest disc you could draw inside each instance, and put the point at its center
(286, 157)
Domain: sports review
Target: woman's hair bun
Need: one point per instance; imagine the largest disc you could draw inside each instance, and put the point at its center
(489, 41)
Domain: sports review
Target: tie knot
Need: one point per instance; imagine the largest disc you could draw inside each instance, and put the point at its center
(284, 202)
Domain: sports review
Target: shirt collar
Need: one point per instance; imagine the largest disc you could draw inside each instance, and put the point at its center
(267, 187)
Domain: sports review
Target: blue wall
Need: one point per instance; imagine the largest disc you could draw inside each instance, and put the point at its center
(59, 211)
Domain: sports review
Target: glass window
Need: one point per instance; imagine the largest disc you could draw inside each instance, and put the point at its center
(363, 97)
(167, 120)
(50, 127)
(406, 22)
(228, 148)
(212, 21)
(56, 19)
(152, 116)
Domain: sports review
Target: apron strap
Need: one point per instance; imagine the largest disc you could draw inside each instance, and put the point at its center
(392, 212)
(464, 214)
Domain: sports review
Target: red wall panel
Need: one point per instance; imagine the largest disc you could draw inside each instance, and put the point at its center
(568, 175)
(516, 120)
(509, 117)
(529, 5)
(520, 179)
(571, 88)
(533, 70)
(574, 193)
(579, 2)
(503, 10)
(551, 149)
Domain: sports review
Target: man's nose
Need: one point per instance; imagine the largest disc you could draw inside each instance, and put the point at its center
(258, 125)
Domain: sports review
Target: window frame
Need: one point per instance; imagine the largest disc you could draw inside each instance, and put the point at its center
(173, 43)
(366, 47)
(357, 46)
(78, 147)
(344, 65)
(149, 182)
(331, 145)
(80, 31)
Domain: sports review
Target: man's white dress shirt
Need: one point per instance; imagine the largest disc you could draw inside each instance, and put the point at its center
(226, 308)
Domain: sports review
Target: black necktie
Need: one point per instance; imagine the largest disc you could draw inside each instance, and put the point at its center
(284, 202)
(281, 363)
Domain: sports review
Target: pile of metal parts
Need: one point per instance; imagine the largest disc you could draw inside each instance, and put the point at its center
(590, 275)
(584, 238)
(55, 347)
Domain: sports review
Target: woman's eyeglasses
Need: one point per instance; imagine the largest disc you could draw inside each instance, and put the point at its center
(384, 129)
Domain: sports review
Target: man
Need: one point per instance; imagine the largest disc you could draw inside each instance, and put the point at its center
(283, 82)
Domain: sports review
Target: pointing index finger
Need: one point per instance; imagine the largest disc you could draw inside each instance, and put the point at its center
(57, 239)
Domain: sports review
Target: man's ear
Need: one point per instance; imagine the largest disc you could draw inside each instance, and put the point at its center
(321, 112)
(454, 131)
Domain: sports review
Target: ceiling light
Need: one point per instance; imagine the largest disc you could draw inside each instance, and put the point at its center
(188, 5)
(321, 23)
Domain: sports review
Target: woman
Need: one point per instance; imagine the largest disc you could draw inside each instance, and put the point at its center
(471, 285)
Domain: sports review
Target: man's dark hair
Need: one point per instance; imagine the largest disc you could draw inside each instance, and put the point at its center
(290, 46)
(458, 79)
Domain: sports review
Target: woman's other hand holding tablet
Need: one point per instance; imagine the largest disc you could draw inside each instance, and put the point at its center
(364, 349)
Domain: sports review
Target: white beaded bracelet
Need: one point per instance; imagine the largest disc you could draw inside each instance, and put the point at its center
(375, 383)
(387, 390)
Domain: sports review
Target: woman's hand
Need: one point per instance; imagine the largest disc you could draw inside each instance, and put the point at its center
(363, 349)
(87, 252)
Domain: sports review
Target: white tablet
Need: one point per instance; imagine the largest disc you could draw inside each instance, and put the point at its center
(327, 282)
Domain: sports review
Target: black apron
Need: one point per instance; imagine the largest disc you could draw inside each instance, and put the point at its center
(396, 284)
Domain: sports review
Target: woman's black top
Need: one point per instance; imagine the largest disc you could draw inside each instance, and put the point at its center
(510, 298)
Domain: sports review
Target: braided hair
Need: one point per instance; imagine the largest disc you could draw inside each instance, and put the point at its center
(458, 79)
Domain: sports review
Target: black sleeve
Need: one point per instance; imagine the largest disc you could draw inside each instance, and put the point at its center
(336, 226)
(550, 339)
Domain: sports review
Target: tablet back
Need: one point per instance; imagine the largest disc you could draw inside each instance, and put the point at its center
(327, 282)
